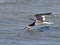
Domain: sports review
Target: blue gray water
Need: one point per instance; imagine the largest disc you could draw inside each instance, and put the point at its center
(14, 16)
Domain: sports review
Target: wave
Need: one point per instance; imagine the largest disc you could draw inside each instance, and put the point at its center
(3, 2)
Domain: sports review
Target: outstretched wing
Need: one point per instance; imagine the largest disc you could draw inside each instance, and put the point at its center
(38, 16)
(41, 17)
(43, 14)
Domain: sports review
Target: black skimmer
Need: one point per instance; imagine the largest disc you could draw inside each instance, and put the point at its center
(40, 18)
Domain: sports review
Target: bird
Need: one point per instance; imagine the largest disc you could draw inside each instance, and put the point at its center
(40, 18)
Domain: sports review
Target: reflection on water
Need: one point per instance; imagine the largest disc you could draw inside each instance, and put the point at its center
(14, 16)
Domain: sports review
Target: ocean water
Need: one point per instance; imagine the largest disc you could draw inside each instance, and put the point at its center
(14, 16)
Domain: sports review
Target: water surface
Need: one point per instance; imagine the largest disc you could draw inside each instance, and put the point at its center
(14, 16)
